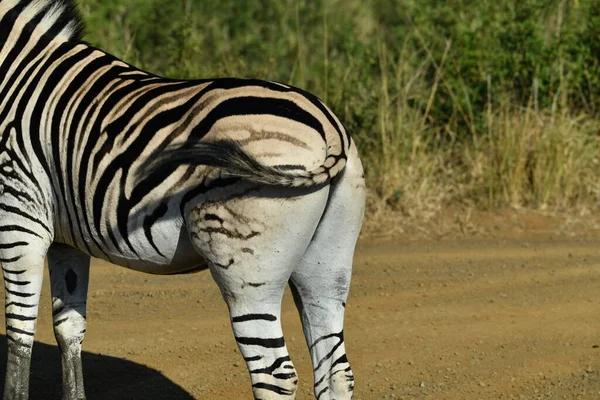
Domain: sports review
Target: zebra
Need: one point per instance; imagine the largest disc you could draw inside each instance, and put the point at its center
(256, 181)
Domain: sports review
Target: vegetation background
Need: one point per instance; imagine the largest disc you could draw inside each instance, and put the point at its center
(477, 103)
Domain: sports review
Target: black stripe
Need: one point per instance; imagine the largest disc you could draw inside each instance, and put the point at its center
(204, 188)
(22, 305)
(17, 330)
(285, 376)
(112, 237)
(254, 317)
(18, 194)
(340, 360)
(325, 375)
(322, 392)
(24, 283)
(319, 104)
(254, 358)
(271, 368)
(256, 106)
(10, 260)
(213, 217)
(231, 234)
(328, 355)
(268, 343)
(12, 245)
(60, 321)
(8, 271)
(273, 388)
(339, 335)
(150, 220)
(18, 294)
(224, 266)
(16, 228)
(20, 317)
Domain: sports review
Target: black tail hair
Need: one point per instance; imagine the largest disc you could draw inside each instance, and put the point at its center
(229, 156)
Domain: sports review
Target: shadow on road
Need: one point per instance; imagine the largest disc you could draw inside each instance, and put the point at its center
(105, 377)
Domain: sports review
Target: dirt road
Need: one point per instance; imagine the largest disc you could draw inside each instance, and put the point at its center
(465, 319)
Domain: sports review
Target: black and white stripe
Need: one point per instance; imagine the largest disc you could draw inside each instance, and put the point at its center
(98, 158)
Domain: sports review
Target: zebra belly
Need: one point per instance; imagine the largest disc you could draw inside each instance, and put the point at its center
(175, 255)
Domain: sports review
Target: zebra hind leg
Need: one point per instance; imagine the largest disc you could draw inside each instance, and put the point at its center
(321, 282)
(252, 244)
(22, 256)
(69, 277)
(257, 330)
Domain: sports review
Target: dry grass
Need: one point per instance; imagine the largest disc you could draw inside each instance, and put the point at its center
(539, 160)
(545, 161)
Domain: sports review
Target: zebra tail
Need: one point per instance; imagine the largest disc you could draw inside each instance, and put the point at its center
(232, 159)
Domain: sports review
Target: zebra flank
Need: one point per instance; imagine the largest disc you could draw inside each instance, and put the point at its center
(257, 181)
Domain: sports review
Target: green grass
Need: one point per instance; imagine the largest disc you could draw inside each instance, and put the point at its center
(490, 104)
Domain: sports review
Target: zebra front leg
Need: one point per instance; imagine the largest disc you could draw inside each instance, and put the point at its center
(69, 277)
(23, 271)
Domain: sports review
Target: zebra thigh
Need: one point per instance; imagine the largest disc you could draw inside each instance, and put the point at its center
(252, 245)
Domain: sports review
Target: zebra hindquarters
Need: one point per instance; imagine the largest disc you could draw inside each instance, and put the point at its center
(253, 240)
(321, 282)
